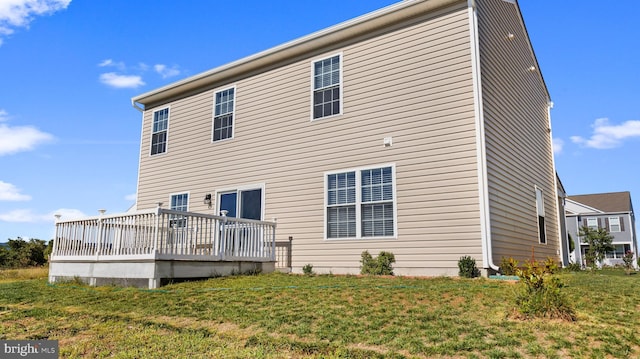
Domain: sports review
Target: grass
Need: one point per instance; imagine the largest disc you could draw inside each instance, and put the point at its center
(287, 316)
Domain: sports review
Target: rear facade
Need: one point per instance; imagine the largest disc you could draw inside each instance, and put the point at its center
(422, 129)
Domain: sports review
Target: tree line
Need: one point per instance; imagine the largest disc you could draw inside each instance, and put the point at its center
(17, 253)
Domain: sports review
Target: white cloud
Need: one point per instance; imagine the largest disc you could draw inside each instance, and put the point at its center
(110, 63)
(131, 197)
(558, 144)
(121, 81)
(4, 116)
(28, 216)
(606, 135)
(9, 192)
(20, 138)
(19, 13)
(165, 71)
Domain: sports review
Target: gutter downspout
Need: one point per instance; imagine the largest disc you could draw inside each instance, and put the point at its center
(481, 154)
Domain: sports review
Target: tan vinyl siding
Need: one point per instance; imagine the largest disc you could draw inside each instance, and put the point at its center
(518, 143)
(413, 83)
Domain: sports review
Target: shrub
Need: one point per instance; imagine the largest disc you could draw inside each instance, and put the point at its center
(307, 269)
(551, 266)
(627, 259)
(540, 295)
(508, 266)
(382, 265)
(574, 267)
(467, 267)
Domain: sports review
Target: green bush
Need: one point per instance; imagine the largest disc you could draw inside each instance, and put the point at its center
(467, 267)
(539, 294)
(307, 269)
(382, 265)
(627, 259)
(19, 253)
(574, 267)
(508, 266)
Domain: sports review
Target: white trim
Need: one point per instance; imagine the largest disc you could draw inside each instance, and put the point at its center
(140, 159)
(166, 146)
(313, 89)
(593, 210)
(213, 112)
(359, 203)
(540, 212)
(481, 154)
(236, 189)
(188, 193)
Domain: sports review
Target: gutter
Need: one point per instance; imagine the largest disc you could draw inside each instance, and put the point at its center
(481, 153)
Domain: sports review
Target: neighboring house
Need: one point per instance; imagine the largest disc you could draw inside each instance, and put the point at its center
(422, 129)
(612, 211)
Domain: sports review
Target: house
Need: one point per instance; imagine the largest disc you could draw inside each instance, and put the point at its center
(611, 211)
(422, 129)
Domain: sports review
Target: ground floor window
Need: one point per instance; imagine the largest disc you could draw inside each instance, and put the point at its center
(360, 203)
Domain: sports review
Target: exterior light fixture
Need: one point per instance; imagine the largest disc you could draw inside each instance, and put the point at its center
(207, 199)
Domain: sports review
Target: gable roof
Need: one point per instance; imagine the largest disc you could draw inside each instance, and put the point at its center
(606, 202)
(387, 16)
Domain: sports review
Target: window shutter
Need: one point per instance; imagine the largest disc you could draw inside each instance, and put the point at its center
(606, 224)
(584, 222)
(621, 224)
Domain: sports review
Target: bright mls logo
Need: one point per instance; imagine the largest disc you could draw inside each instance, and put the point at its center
(41, 349)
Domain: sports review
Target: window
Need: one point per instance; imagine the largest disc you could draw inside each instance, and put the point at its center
(592, 223)
(241, 203)
(326, 87)
(542, 229)
(159, 131)
(360, 203)
(619, 251)
(223, 114)
(614, 224)
(179, 202)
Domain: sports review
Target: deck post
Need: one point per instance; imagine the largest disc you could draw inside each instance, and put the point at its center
(289, 256)
(156, 245)
(54, 250)
(99, 244)
(223, 234)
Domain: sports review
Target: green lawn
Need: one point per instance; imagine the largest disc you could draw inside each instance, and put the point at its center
(288, 316)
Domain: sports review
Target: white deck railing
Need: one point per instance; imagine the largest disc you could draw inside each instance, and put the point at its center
(165, 234)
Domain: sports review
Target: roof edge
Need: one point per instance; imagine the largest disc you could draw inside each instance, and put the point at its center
(386, 16)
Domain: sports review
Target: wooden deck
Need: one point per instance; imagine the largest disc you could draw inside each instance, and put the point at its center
(148, 248)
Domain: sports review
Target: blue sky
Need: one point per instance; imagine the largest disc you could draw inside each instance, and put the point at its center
(69, 138)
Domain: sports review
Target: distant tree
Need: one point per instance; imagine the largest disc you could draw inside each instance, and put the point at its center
(599, 241)
(21, 253)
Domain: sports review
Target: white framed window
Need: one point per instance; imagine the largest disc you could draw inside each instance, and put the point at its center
(242, 202)
(159, 131)
(223, 114)
(592, 223)
(614, 224)
(542, 227)
(179, 202)
(327, 87)
(360, 203)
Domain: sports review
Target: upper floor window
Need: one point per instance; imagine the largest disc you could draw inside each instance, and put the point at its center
(614, 224)
(542, 228)
(327, 87)
(360, 203)
(592, 223)
(223, 116)
(159, 131)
